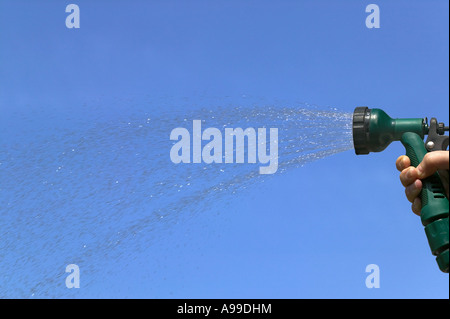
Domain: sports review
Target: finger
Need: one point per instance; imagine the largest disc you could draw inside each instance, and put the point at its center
(409, 176)
(431, 162)
(413, 190)
(403, 162)
(416, 206)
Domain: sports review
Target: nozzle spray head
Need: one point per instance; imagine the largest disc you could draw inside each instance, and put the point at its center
(374, 130)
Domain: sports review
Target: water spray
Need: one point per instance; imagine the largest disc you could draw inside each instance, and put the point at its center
(374, 130)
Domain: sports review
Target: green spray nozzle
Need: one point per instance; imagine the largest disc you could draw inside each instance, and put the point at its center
(374, 130)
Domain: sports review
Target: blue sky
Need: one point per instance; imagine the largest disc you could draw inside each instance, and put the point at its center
(306, 234)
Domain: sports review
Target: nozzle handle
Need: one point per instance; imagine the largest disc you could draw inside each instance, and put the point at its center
(435, 207)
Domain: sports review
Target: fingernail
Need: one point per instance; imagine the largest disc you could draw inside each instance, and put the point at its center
(409, 173)
(417, 184)
(404, 161)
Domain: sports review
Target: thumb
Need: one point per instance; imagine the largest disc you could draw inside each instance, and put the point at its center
(432, 162)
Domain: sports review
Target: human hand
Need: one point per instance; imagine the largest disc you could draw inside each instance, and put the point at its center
(411, 176)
